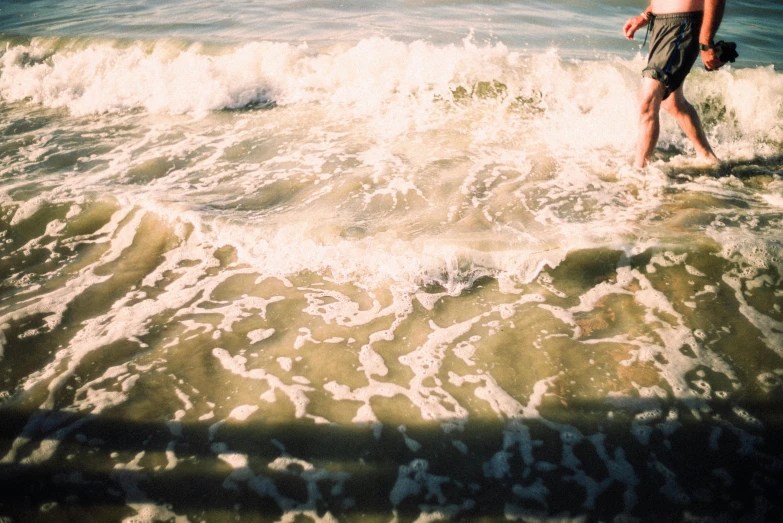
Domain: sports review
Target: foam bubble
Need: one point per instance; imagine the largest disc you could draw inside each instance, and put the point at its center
(260, 335)
(243, 412)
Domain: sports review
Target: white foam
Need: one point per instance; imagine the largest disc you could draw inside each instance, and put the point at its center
(147, 511)
(659, 311)
(26, 209)
(413, 478)
(666, 259)
(285, 464)
(460, 446)
(184, 398)
(260, 335)
(233, 459)
(171, 457)
(304, 337)
(428, 301)
(746, 416)
(465, 351)
(285, 363)
(776, 200)
(296, 393)
(771, 329)
(243, 412)
(411, 443)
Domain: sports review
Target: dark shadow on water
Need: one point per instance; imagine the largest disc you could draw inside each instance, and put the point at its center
(743, 169)
(655, 470)
(258, 105)
(758, 166)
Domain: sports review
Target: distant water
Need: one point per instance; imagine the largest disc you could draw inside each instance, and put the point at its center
(578, 29)
(356, 261)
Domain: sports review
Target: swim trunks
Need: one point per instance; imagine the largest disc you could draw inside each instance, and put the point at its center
(674, 47)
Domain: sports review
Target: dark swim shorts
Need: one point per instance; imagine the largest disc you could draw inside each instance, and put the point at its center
(674, 47)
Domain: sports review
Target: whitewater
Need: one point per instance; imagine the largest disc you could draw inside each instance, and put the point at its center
(308, 261)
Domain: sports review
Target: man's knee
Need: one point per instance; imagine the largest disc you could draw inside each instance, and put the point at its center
(676, 103)
(650, 98)
(649, 107)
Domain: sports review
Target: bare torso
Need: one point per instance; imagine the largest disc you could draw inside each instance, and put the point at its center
(661, 7)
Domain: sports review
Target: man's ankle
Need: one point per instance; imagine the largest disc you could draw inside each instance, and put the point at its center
(706, 155)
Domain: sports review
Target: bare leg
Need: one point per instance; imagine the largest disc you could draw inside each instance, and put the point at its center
(688, 120)
(649, 124)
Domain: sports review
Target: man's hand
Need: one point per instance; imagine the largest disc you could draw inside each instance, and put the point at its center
(632, 25)
(710, 59)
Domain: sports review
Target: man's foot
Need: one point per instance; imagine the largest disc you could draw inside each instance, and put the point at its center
(641, 163)
(708, 160)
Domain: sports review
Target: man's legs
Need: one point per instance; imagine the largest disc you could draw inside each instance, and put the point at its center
(651, 94)
(688, 120)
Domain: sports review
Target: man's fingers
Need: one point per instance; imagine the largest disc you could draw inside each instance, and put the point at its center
(710, 60)
(629, 29)
(712, 65)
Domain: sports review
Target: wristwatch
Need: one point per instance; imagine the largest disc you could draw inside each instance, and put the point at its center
(705, 47)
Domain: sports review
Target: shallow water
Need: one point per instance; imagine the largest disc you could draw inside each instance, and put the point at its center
(360, 263)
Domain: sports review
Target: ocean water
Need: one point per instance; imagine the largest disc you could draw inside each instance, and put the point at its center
(353, 261)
